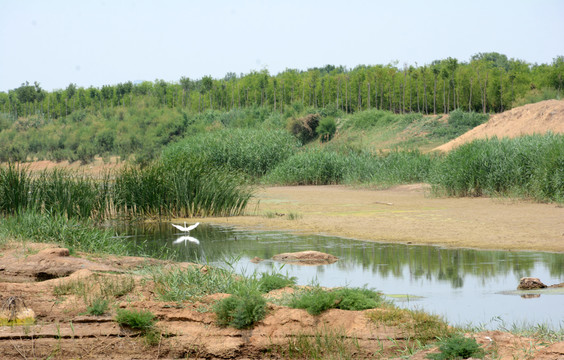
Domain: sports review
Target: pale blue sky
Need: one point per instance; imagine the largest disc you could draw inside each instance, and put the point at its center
(96, 42)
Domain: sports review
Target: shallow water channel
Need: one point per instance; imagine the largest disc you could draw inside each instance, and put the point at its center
(464, 286)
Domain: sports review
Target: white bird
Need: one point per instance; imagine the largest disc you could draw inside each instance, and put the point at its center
(186, 238)
(184, 228)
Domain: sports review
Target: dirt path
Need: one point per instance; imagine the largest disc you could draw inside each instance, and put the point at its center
(407, 214)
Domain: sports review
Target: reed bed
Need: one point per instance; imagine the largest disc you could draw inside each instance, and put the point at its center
(319, 166)
(528, 166)
(251, 151)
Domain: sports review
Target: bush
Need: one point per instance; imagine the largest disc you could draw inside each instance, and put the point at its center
(458, 347)
(304, 128)
(326, 129)
(466, 120)
(241, 310)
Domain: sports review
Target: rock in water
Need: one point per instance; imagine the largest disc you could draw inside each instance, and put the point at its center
(306, 258)
(530, 283)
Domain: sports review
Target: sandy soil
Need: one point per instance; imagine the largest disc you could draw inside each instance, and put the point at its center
(408, 214)
(537, 118)
(63, 331)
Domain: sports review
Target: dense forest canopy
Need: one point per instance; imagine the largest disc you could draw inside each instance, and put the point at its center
(489, 82)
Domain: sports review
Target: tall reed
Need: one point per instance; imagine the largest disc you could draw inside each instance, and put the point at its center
(530, 166)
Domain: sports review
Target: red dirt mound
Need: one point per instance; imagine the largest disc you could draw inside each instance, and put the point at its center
(538, 118)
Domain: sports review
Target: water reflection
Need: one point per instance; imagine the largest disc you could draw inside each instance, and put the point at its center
(463, 285)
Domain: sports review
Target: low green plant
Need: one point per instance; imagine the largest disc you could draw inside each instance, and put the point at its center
(191, 283)
(272, 281)
(458, 347)
(98, 306)
(314, 300)
(241, 310)
(136, 319)
(357, 299)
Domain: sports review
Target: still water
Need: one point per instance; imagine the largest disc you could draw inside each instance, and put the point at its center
(464, 286)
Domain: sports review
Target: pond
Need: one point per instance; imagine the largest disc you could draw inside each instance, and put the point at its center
(464, 286)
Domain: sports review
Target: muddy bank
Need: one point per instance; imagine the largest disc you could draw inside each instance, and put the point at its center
(64, 330)
(407, 214)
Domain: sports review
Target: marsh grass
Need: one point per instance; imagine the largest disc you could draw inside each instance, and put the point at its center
(529, 166)
(250, 151)
(74, 234)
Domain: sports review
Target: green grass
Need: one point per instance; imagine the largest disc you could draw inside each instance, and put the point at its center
(269, 281)
(98, 307)
(529, 166)
(251, 151)
(142, 320)
(74, 234)
(191, 283)
(241, 310)
(316, 300)
(458, 347)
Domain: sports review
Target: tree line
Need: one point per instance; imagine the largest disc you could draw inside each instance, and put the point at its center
(489, 82)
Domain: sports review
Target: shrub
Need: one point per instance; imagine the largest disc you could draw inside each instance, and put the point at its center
(241, 310)
(304, 128)
(458, 347)
(317, 300)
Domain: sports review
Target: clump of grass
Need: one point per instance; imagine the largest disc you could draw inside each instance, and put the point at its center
(316, 299)
(98, 306)
(272, 281)
(136, 319)
(458, 347)
(417, 325)
(529, 166)
(293, 216)
(241, 310)
(358, 299)
(323, 344)
(191, 283)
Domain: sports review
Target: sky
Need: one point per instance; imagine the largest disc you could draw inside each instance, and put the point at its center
(101, 42)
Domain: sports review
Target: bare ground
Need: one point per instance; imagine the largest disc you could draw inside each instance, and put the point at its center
(188, 330)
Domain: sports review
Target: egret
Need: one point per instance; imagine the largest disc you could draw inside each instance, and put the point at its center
(186, 238)
(184, 228)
